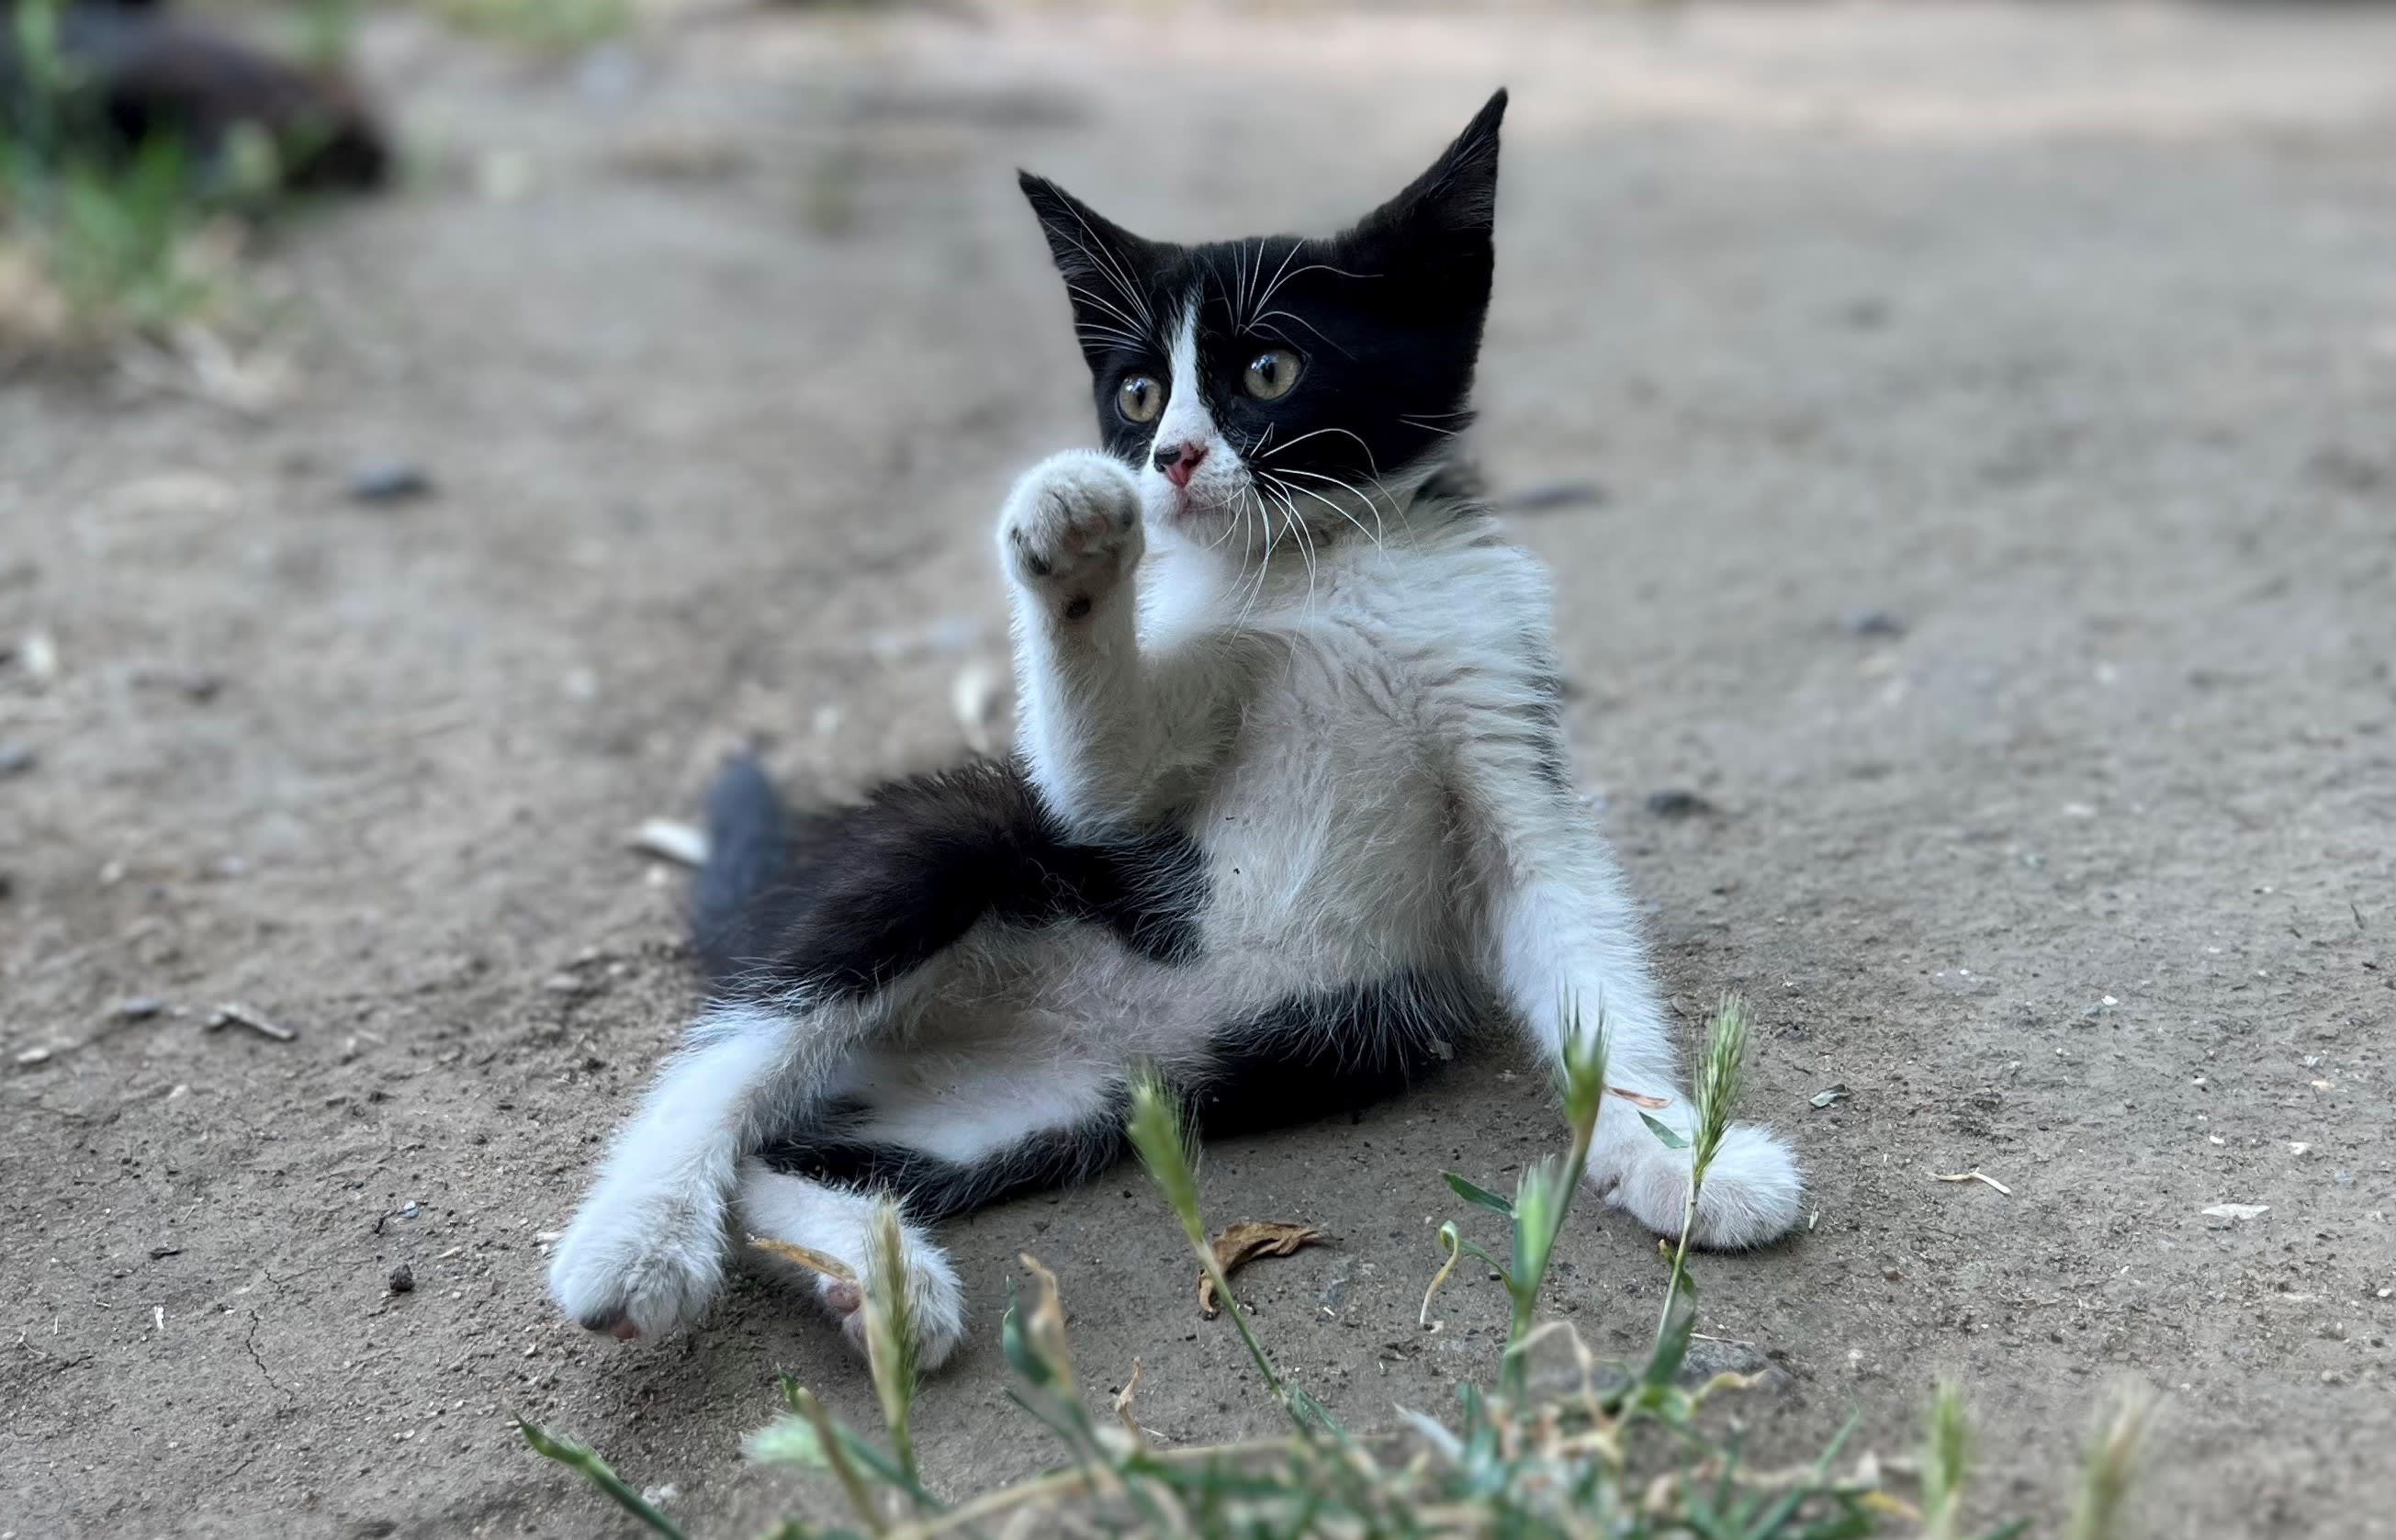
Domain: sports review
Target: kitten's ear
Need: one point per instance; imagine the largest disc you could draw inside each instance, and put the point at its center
(1088, 247)
(1450, 210)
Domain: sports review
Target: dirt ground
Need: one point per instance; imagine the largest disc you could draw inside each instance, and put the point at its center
(1994, 419)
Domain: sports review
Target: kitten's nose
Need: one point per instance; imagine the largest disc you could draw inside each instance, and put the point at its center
(1179, 461)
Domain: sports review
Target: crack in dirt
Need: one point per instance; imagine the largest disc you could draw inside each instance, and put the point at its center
(249, 1342)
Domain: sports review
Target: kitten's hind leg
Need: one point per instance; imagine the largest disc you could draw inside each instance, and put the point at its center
(1000, 1121)
(837, 1222)
(644, 1252)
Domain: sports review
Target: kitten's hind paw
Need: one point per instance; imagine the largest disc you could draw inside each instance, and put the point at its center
(1753, 1192)
(838, 1223)
(934, 1301)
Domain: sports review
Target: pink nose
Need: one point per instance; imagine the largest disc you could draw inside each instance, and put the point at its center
(1179, 461)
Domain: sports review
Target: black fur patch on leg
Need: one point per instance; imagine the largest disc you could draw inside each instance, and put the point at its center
(1334, 1051)
(847, 901)
(932, 1188)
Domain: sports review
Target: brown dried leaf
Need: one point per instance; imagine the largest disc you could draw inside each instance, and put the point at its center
(1635, 1099)
(1244, 1242)
(1123, 1400)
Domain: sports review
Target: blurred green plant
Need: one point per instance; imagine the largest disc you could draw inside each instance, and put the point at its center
(1623, 1455)
(98, 239)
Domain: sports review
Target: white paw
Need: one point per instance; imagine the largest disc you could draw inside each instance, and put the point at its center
(1072, 524)
(640, 1262)
(838, 1222)
(1752, 1194)
(937, 1302)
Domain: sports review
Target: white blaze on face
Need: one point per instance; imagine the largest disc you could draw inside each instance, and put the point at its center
(1185, 422)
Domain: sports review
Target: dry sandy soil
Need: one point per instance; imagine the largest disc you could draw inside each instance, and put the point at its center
(2066, 339)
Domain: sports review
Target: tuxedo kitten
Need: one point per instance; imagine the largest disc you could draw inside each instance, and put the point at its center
(1291, 815)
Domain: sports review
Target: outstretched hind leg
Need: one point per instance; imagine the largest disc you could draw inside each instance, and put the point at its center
(998, 1121)
(837, 1222)
(821, 940)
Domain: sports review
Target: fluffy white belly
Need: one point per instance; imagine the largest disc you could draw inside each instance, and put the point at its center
(1330, 840)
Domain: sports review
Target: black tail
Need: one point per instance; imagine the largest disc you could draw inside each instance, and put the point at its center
(733, 912)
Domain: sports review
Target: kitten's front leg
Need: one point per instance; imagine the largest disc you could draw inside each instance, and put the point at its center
(644, 1252)
(1564, 943)
(1070, 539)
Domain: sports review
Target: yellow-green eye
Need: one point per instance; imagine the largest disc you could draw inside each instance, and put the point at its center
(1139, 398)
(1271, 373)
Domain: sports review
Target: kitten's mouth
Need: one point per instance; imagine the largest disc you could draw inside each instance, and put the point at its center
(1202, 505)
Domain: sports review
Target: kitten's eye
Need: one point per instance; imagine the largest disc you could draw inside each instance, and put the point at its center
(1139, 398)
(1271, 373)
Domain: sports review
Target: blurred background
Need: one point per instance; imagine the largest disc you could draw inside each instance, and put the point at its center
(430, 434)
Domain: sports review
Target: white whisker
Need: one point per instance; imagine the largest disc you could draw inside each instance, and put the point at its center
(1289, 444)
(1258, 324)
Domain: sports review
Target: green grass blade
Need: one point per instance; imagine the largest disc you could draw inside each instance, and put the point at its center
(1663, 1132)
(1473, 1193)
(577, 1457)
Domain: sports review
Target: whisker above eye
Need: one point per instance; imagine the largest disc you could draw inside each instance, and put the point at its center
(1257, 325)
(1283, 276)
(1100, 301)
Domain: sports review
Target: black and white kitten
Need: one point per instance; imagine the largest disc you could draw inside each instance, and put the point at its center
(1292, 811)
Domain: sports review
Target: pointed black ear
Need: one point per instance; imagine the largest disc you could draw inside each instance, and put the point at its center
(1444, 219)
(1106, 268)
(1085, 244)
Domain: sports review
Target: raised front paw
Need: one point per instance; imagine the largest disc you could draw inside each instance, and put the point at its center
(641, 1263)
(1072, 526)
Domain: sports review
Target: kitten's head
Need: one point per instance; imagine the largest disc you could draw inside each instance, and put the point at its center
(1281, 380)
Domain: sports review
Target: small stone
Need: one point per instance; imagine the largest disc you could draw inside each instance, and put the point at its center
(408, 1210)
(139, 1008)
(159, 1254)
(1830, 1096)
(32, 1057)
(1873, 622)
(2231, 1214)
(16, 758)
(389, 482)
(403, 1280)
(1678, 803)
(684, 844)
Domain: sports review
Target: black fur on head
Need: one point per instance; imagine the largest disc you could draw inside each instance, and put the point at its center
(1380, 325)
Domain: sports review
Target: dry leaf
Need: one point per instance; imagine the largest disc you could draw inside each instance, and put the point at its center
(1244, 1242)
(1635, 1099)
(1974, 1176)
(814, 1261)
(234, 1015)
(1123, 1400)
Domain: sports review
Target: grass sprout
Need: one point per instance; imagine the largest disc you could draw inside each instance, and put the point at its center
(1626, 1451)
